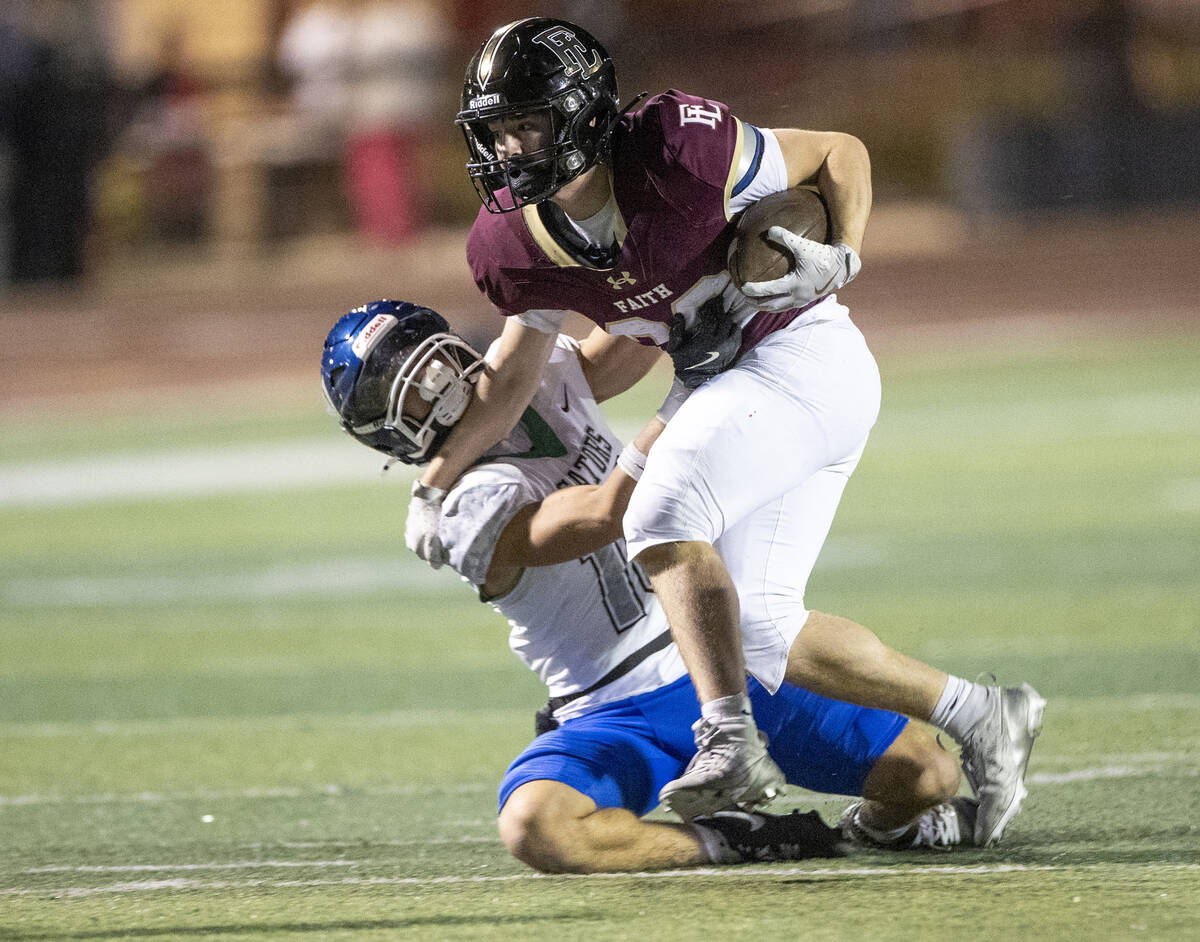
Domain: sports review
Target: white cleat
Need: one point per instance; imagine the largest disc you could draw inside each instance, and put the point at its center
(731, 767)
(995, 755)
(943, 827)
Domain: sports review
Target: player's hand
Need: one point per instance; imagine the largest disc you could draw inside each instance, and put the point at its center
(818, 270)
(421, 528)
(706, 347)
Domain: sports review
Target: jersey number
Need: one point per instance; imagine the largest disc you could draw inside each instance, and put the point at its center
(623, 587)
(688, 304)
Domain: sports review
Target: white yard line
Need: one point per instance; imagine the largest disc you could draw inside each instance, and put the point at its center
(1183, 495)
(249, 467)
(242, 794)
(390, 719)
(233, 865)
(1105, 772)
(327, 578)
(324, 578)
(899, 870)
(1152, 764)
(216, 469)
(1173, 764)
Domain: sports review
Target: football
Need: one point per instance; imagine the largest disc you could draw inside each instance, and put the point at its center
(751, 256)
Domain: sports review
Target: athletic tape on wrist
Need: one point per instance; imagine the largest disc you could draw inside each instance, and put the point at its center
(632, 461)
(675, 398)
(425, 492)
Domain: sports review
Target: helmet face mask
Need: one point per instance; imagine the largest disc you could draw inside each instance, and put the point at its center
(441, 372)
(377, 355)
(551, 69)
(529, 178)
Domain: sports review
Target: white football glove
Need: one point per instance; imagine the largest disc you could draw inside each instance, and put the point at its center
(421, 528)
(819, 269)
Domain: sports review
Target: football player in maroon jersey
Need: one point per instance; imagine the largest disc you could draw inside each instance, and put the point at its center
(625, 215)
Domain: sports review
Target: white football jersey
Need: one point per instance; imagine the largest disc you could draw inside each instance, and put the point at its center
(576, 622)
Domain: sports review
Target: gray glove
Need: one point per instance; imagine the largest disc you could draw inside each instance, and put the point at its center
(421, 528)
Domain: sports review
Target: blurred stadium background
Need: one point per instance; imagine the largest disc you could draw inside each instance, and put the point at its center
(229, 702)
(258, 165)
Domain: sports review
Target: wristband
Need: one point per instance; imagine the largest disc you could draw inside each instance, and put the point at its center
(425, 492)
(676, 397)
(632, 461)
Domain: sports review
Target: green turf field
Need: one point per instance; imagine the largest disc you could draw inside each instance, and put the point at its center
(249, 714)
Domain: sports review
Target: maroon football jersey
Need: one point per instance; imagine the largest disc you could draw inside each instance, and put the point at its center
(674, 166)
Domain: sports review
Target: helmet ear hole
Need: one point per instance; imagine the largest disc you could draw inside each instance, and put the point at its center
(437, 377)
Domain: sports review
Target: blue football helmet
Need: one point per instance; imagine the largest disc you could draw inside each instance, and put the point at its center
(375, 355)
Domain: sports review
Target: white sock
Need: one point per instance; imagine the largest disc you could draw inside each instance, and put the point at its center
(962, 705)
(725, 711)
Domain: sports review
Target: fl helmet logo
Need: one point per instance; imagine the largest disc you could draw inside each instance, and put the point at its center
(571, 52)
(619, 283)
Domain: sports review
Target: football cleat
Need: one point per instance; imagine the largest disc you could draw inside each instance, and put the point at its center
(736, 836)
(731, 767)
(943, 827)
(995, 755)
(387, 356)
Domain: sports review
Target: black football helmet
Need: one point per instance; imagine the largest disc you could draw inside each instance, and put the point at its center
(378, 352)
(546, 66)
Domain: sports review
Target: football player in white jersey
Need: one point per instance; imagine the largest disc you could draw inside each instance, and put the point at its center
(536, 528)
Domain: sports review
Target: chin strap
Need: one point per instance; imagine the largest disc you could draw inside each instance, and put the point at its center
(566, 235)
(612, 125)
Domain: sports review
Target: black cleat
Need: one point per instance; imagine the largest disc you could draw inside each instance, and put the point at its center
(754, 837)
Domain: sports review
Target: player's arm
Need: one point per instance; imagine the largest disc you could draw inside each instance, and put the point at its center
(571, 522)
(839, 166)
(613, 364)
(501, 395)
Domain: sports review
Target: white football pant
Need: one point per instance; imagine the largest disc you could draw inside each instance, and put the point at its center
(755, 463)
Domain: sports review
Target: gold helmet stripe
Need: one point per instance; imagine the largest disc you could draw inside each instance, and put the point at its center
(484, 71)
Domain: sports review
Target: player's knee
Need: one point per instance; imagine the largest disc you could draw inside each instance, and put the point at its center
(539, 833)
(914, 773)
(937, 777)
(669, 511)
(695, 561)
(658, 558)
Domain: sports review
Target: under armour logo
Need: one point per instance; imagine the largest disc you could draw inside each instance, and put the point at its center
(619, 283)
(698, 114)
(571, 52)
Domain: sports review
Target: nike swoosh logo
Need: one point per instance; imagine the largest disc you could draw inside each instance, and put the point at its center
(829, 284)
(566, 406)
(755, 821)
(712, 355)
(825, 287)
